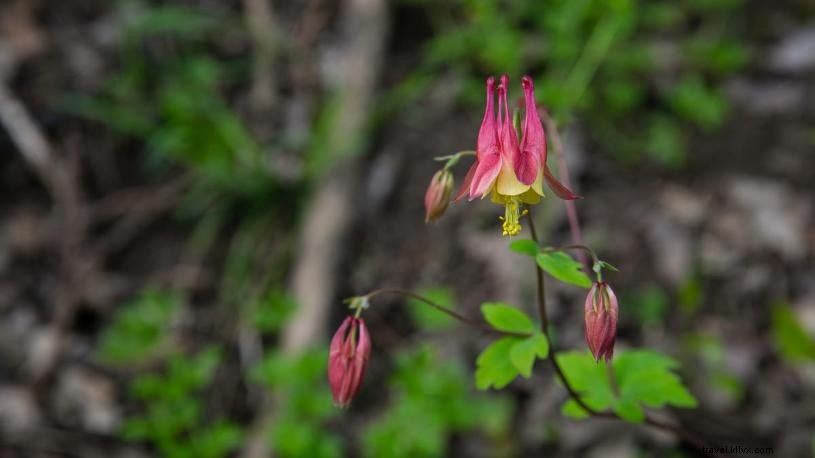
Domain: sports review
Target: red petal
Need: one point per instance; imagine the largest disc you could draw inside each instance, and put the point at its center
(465, 186)
(488, 133)
(338, 362)
(526, 166)
(533, 142)
(486, 172)
(560, 190)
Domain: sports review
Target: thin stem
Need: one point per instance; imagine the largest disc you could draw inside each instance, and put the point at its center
(540, 280)
(468, 321)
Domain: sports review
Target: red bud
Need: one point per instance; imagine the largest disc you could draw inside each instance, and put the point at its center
(347, 358)
(438, 195)
(601, 311)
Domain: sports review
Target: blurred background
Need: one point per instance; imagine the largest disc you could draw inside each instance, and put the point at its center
(190, 188)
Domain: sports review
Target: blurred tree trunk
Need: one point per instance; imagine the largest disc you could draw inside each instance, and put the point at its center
(330, 211)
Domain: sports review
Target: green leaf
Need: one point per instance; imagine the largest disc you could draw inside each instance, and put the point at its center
(588, 378)
(432, 388)
(646, 377)
(141, 328)
(665, 141)
(630, 411)
(564, 268)
(697, 102)
(790, 338)
(524, 246)
(572, 409)
(643, 378)
(523, 353)
(272, 310)
(494, 366)
(506, 318)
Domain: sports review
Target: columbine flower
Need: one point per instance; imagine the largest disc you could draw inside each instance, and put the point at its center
(347, 358)
(601, 311)
(438, 195)
(511, 172)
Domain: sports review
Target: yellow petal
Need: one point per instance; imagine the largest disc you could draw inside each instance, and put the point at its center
(507, 184)
(537, 186)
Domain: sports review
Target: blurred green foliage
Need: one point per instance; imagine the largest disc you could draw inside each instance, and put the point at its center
(711, 352)
(174, 420)
(167, 93)
(640, 73)
(791, 340)
(303, 404)
(647, 306)
(140, 329)
(428, 318)
(431, 400)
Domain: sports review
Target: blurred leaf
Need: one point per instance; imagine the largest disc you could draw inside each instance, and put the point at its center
(173, 19)
(506, 318)
(665, 141)
(423, 386)
(719, 56)
(715, 5)
(648, 305)
(662, 15)
(564, 268)
(272, 310)
(690, 294)
(791, 340)
(216, 440)
(712, 353)
(429, 318)
(140, 328)
(697, 102)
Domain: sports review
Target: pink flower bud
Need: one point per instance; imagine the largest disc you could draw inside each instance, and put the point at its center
(438, 195)
(601, 311)
(347, 358)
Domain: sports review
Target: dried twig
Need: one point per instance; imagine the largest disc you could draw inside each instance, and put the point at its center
(263, 28)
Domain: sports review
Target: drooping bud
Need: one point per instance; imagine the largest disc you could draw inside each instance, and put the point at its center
(437, 196)
(347, 358)
(601, 311)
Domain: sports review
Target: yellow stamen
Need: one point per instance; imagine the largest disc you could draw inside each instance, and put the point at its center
(512, 214)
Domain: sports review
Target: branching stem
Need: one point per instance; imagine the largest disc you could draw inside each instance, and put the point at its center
(676, 430)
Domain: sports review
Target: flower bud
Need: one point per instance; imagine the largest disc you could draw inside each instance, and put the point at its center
(347, 358)
(601, 311)
(438, 195)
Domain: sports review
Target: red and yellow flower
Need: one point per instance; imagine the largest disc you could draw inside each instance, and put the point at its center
(511, 172)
